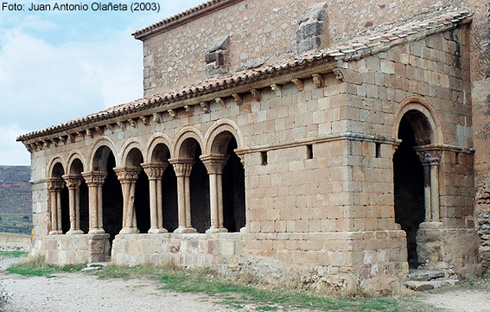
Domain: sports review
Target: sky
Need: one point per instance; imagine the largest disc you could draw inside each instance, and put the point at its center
(56, 66)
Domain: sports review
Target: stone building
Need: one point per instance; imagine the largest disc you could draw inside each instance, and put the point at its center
(323, 143)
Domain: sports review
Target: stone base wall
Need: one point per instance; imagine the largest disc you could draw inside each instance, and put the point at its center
(71, 249)
(9, 241)
(368, 260)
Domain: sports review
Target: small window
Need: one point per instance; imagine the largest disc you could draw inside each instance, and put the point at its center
(263, 155)
(309, 151)
(458, 158)
(378, 150)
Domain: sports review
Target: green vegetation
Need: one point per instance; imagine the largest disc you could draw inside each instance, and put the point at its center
(13, 253)
(237, 293)
(39, 267)
(16, 224)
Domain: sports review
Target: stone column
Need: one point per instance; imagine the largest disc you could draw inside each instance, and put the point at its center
(73, 183)
(128, 177)
(430, 160)
(54, 187)
(155, 172)
(183, 168)
(214, 165)
(95, 180)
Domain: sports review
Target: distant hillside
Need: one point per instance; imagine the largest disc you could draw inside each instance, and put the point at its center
(15, 190)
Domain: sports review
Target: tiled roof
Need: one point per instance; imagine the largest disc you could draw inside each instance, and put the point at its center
(197, 11)
(347, 51)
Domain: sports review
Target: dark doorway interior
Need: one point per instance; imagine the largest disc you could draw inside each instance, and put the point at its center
(65, 210)
(233, 191)
(199, 180)
(169, 194)
(112, 205)
(84, 226)
(409, 189)
(142, 202)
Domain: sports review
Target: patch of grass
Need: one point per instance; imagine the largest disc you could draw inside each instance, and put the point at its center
(237, 293)
(13, 253)
(39, 267)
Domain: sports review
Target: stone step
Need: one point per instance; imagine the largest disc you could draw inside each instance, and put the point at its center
(433, 284)
(425, 275)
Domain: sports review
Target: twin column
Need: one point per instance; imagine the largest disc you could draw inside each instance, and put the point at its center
(430, 160)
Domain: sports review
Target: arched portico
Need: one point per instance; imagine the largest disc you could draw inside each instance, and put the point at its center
(57, 197)
(78, 195)
(416, 176)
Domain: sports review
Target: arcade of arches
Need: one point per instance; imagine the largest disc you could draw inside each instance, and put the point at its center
(189, 193)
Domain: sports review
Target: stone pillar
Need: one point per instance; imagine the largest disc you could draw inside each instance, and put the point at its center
(155, 172)
(214, 165)
(95, 180)
(73, 183)
(54, 187)
(430, 160)
(128, 177)
(183, 168)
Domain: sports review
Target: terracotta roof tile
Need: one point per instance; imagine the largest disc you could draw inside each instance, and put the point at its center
(350, 50)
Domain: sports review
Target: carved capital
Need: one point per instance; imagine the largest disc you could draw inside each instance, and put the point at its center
(127, 174)
(429, 157)
(72, 181)
(214, 163)
(94, 178)
(154, 170)
(55, 184)
(182, 167)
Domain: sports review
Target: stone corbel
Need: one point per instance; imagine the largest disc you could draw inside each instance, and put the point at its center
(172, 113)
(238, 99)
(277, 89)
(205, 106)
(122, 125)
(46, 144)
(317, 80)
(338, 74)
(99, 130)
(72, 137)
(220, 102)
(299, 84)
(63, 139)
(241, 155)
(31, 147)
(55, 142)
(81, 134)
(111, 128)
(90, 132)
(145, 120)
(188, 108)
(133, 122)
(255, 94)
(157, 117)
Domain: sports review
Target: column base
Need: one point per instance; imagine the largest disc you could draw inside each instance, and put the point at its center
(129, 231)
(157, 231)
(216, 230)
(185, 230)
(96, 231)
(70, 232)
(55, 233)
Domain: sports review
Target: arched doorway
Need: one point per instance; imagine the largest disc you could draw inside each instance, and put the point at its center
(59, 204)
(411, 180)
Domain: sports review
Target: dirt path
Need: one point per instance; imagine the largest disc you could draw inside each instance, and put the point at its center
(79, 292)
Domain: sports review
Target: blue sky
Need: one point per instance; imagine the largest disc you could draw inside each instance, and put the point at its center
(57, 66)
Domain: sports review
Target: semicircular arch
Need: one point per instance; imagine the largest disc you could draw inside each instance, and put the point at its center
(182, 136)
(102, 142)
(219, 127)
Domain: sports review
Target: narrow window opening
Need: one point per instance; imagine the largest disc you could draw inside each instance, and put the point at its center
(378, 150)
(309, 151)
(263, 155)
(458, 158)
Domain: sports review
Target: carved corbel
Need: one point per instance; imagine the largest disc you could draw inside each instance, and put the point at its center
(157, 117)
(63, 139)
(55, 142)
(238, 99)
(122, 125)
(72, 137)
(220, 101)
(133, 122)
(317, 80)
(255, 94)
(111, 128)
(145, 120)
(99, 130)
(90, 133)
(81, 134)
(338, 74)
(31, 147)
(299, 84)
(39, 146)
(46, 144)
(205, 106)
(277, 89)
(172, 113)
(188, 109)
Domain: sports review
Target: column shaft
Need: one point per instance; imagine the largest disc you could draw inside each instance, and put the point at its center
(183, 169)
(434, 187)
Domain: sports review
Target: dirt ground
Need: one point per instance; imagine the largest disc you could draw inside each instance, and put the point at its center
(79, 292)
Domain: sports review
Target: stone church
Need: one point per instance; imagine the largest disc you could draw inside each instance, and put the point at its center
(323, 143)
